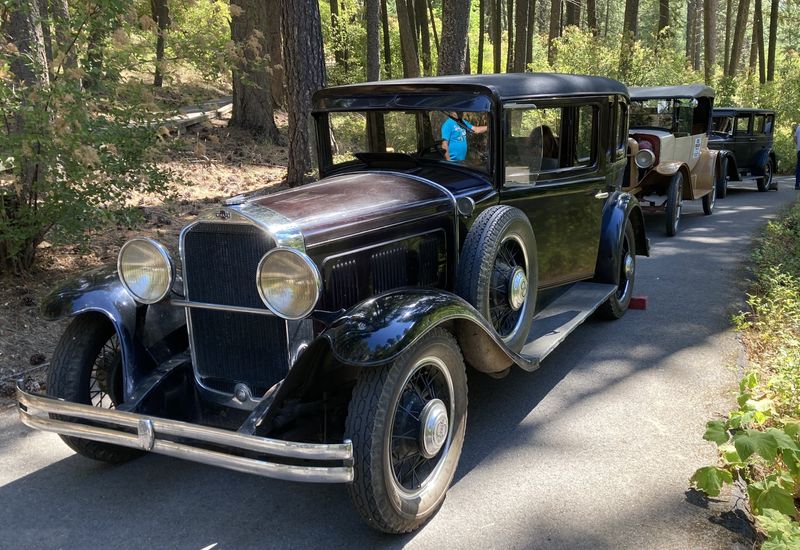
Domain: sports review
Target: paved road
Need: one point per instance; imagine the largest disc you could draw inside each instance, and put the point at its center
(592, 451)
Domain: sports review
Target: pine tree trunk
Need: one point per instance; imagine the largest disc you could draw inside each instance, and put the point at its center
(160, 12)
(336, 31)
(44, 17)
(433, 26)
(455, 25)
(773, 35)
(94, 56)
(726, 62)
(408, 43)
(510, 30)
(497, 35)
(758, 39)
(481, 32)
(277, 75)
(710, 35)
(373, 21)
(591, 16)
(663, 15)
(387, 42)
(691, 15)
(738, 36)
(555, 29)
(521, 33)
(305, 74)
(64, 39)
(630, 31)
(252, 93)
(698, 34)
(529, 32)
(573, 15)
(421, 9)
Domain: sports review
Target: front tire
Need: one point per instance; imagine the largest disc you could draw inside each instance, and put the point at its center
(617, 304)
(765, 181)
(722, 180)
(407, 422)
(674, 204)
(87, 368)
(709, 201)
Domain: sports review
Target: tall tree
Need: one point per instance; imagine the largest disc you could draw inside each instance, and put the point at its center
(663, 15)
(497, 34)
(591, 16)
(408, 41)
(737, 46)
(277, 75)
(387, 42)
(44, 16)
(160, 14)
(433, 26)
(757, 53)
(373, 16)
(421, 15)
(555, 29)
(339, 52)
(252, 93)
(630, 31)
(305, 74)
(481, 32)
(773, 35)
(710, 35)
(455, 24)
(726, 49)
(529, 32)
(521, 34)
(573, 13)
(691, 37)
(64, 38)
(510, 30)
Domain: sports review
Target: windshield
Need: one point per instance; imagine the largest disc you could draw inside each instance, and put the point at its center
(672, 115)
(408, 136)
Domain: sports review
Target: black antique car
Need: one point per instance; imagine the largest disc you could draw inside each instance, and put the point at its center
(321, 333)
(744, 139)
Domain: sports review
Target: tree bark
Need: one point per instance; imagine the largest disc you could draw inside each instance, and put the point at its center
(481, 30)
(758, 40)
(252, 93)
(94, 56)
(387, 43)
(64, 37)
(305, 74)
(710, 35)
(521, 34)
(738, 37)
(555, 29)
(663, 15)
(421, 11)
(339, 55)
(591, 16)
(160, 13)
(497, 35)
(510, 31)
(697, 30)
(433, 26)
(373, 21)
(773, 37)
(573, 15)
(630, 31)
(44, 18)
(455, 25)
(408, 43)
(529, 32)
(691, 14)
(277, 74)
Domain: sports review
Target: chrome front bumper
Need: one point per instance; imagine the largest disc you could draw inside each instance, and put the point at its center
(151, 434)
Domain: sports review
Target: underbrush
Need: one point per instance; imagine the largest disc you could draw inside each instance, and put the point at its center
(759, 442)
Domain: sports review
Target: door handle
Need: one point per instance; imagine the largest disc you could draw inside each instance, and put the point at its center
(601, 195)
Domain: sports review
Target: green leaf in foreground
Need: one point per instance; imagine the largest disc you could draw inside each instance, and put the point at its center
(710, 479)
(769, 494)
(782, 533)
(716, 432)
(753, 441)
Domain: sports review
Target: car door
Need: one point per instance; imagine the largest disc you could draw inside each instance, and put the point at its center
(760, 138)
(562, 191)
(741, 144)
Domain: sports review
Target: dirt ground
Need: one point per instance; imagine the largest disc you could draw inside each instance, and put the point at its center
(211, 162)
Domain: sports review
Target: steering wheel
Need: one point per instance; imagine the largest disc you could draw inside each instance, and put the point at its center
(434, 149)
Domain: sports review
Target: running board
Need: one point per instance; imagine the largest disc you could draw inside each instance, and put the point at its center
(554, 323)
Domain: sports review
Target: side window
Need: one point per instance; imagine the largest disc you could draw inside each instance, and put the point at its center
(742, 124)
(768, 124)
(758, 124)
(723, 124)
(622, 129)
(532, 143)
(585, 139)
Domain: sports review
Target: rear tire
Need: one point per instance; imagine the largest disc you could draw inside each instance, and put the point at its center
(674, 204)
(722, 180)
(617, 304)
(87, 368)
(402, 472)
(765, 181)
(710, 200)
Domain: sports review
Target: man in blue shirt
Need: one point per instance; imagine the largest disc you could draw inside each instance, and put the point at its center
(454, 136)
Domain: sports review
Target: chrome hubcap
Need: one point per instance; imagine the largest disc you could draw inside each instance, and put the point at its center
(628, 266)
(517, 288)
(434, 427)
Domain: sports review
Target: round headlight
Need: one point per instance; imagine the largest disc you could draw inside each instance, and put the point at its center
(288, 282)
(146, 270)
(645, 158)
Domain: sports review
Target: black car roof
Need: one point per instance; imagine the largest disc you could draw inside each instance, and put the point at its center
(508, 85)
(662, 92)
(732, 110)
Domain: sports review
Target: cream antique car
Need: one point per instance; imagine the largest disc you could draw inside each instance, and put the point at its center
(670, 127)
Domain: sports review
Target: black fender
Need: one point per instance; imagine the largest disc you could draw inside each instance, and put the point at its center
(761, 160)
(733, 167)
(143, 331)
(376, 331)
(619, 208)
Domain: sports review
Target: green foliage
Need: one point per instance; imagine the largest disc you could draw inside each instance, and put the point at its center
(759, 441)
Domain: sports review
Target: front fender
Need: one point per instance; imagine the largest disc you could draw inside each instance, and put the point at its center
(378, 330)
(617, 210)
(140, 329)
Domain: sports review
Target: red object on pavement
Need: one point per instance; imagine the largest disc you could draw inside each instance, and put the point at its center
(638, 302)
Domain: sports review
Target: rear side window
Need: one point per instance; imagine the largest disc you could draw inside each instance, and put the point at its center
(742, 124)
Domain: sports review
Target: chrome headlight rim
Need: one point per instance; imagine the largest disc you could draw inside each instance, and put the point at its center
(316, 278)
(648, 161)
(165, 256)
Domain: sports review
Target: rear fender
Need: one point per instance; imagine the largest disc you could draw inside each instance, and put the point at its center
(378, 330)
(733, 168)
(761, 159)
(620, 208)
(706, 170)
(147, 334)
(657, 180)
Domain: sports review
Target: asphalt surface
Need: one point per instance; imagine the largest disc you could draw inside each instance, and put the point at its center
(593, 450)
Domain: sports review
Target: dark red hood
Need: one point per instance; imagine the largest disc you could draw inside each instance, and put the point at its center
(344, 205)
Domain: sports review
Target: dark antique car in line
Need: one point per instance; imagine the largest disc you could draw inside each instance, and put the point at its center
(321, 333)
(744, 139)
(671, 125)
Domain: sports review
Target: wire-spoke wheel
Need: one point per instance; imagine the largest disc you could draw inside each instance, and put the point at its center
(674, 204)
(498, 273)
(709, 201)
(87, 368)
(407, 422)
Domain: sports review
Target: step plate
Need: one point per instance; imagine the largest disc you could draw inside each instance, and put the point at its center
(554, 323)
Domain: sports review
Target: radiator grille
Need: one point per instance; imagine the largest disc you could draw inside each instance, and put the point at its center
(389, 269)
(342, 285)
(220, 262)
